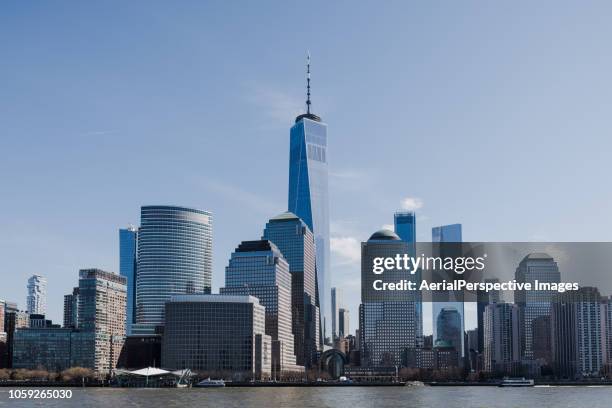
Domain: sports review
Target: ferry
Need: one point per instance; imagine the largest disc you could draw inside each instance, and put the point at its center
(516, 382)
(208, 383)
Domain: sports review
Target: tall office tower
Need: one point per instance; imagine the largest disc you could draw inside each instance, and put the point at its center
(387, 319)
(449, 328)
(2, 316)
(606, 331)
(576, 333)
(102, 299)
(296, 242)
(343, 322)
(308, 194)
(405, 226)
(501, 337)
(448, 233)
(71, 309)
(174, 258)
(472, 348)
(484, 298)
(128, 251)
(542, 341)
(222, 335)
(336, 304)
(404, 223)
(37, 295)
(534, 303)
(257, 268)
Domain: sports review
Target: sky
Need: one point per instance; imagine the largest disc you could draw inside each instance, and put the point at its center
(496, 116)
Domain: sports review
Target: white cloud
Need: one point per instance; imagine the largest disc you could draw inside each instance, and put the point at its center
(277, 105)
(411, 203)
(347, 250)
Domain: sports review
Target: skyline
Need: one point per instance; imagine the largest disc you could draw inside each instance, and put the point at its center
(109, 105)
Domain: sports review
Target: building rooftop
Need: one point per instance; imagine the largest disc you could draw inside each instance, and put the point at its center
(384, 235)
(288, 215)
(310, 116)
(262, 245)
(538, 255)
(215, 298)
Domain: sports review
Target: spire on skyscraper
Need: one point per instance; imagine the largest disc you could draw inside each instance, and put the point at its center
(308, 115)
(308, 82)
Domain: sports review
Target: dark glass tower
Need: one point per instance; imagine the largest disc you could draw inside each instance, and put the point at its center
(308, 194)
(296, 242)
(127, 269)
(448, 233)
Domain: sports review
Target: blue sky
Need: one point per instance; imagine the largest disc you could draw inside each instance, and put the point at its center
(492, 115)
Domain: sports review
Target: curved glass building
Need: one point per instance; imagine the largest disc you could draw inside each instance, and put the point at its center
(174, 258)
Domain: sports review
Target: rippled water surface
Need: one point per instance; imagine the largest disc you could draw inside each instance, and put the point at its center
(319, 397)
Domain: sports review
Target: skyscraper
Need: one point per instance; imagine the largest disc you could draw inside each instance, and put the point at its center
(447, 233)
(606, 312)
(405, 226)
(450, 234)
(387, 319)
(296, 242)
(483, 299)
(71, 309)
(343, 322)
(501, 337)
(102, 298)
(534, 303)
(174, 258)
(308, 193)
(37, 295)
(404, 223)
(449, 328)
(576, 333)
(257, 268)
(128, 251)
(336, 304)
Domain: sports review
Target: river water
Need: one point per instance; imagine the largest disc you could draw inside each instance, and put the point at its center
(320, 397)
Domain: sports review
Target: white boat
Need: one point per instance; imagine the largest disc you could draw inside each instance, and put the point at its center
(516, 382)
(208, 383)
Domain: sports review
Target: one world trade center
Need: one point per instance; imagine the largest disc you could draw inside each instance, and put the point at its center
(308, 194)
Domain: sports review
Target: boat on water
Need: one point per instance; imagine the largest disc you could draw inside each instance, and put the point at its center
(516, 382)
(208, 383)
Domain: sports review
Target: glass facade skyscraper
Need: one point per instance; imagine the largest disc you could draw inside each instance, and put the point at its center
(296, 242)
(448, 233)
(174, 258)
(257, 268)
(404, 224)
(127, 268)
(449, 327)
(308, 197)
